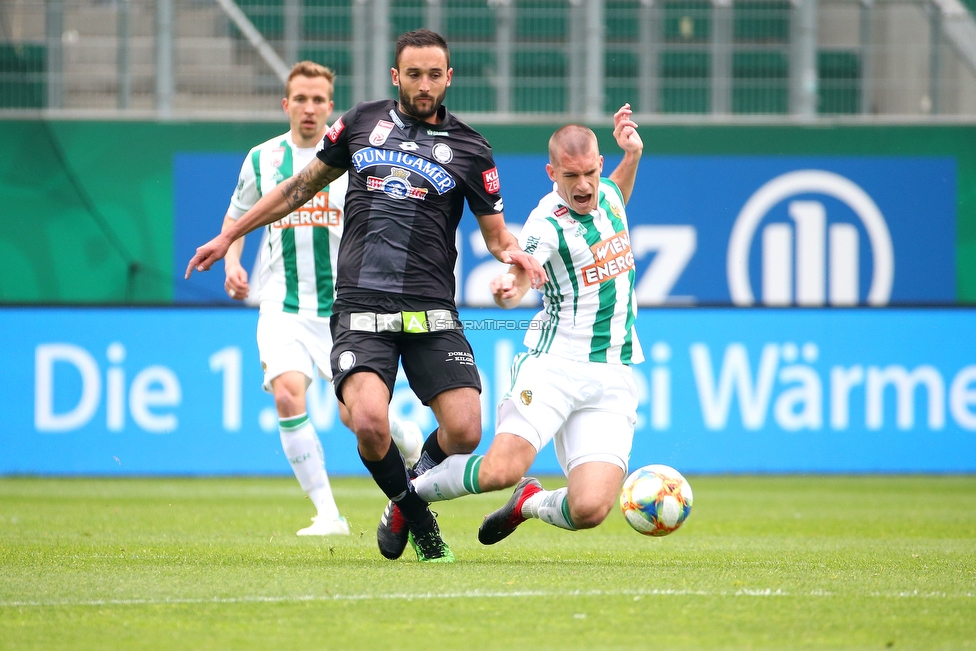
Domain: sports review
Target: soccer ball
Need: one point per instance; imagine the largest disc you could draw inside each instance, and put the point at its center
(655, 500)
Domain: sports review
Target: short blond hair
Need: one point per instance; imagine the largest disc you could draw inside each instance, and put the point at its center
(310, 69)
(572, 139)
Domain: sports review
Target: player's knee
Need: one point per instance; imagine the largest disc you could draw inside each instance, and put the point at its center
(588, 514)
(494, 476)
(288, 404)
(465, 441)
(369, 426)
(462, 437)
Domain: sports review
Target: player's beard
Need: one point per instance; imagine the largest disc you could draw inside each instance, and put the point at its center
(410, 108)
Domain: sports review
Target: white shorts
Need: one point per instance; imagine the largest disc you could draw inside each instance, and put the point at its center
(293, 342)
(589, 408)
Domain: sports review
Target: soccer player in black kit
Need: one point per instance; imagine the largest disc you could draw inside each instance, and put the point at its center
(411, 166)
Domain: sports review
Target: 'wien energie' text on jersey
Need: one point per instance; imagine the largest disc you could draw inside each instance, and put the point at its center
(297, 258)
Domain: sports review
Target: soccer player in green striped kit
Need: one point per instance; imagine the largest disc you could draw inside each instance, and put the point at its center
(574, 385)
(295, 286)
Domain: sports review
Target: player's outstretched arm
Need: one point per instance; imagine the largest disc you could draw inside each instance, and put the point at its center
(292, 194)
(509, 288)
(235, 276)
(625, 133)
(505, 247)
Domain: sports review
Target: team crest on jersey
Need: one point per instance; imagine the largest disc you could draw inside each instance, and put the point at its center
(616, 211)
(526, 397)
(277, 156)
(396, 185)
(380, 133)
(333, 133)
(492, 183)
(442, 153)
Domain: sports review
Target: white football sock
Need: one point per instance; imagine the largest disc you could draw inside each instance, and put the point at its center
(408, 438)
(551, 507)
(304, 452)
(455, 476)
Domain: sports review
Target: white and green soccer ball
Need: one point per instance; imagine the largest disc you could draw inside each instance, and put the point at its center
(656, 500)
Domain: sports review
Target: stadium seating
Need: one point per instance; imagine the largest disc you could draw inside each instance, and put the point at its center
(21, 75)
(213, 60)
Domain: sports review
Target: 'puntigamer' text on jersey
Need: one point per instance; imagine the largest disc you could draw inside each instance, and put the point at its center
(589, 306)
(408, 181)
(298, 252)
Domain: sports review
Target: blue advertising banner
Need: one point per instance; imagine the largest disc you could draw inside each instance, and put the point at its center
(202, 187)
(177, 391)
(728, 230)
(749, 230)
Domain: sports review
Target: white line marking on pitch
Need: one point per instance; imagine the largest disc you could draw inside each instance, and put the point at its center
(745, 592)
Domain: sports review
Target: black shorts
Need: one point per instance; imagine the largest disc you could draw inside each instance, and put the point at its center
(433, 361)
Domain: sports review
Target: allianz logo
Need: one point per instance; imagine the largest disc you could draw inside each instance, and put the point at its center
(810, 260)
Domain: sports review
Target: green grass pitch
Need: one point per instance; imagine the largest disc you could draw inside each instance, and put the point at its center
(771, 562)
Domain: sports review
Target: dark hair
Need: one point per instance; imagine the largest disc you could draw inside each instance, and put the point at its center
(420, 38)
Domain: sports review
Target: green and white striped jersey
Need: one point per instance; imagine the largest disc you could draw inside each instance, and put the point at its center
(589, 307)
(297, 260)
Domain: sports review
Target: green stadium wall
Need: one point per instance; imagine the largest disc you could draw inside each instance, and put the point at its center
(87, 206)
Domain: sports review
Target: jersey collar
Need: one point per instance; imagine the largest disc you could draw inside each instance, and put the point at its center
(575, 215)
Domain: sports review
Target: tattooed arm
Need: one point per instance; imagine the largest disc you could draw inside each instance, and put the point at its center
(292, 194)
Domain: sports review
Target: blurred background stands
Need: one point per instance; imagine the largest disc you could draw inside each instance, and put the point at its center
(514, 60)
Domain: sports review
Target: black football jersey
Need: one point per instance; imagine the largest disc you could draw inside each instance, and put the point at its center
(408, 181)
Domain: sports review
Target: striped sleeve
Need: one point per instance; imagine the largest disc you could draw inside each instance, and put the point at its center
(538, 238)
(620, 195)
(247, 192)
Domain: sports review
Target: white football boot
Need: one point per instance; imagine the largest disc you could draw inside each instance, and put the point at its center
(323, 527)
